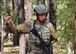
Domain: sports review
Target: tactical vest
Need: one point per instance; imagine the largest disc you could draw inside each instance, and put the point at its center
(44, 31)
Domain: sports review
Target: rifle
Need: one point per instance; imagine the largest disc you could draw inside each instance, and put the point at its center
(42, 43)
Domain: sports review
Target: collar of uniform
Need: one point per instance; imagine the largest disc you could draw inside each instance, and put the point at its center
(38, 25)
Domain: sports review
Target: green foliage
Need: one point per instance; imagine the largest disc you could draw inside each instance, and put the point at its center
(64, 14)
(15, 18)
(7, 10)
(65, 10)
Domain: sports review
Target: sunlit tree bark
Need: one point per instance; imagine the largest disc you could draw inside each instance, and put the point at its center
(29, 9)
(15, 7)
(3, 2)
(75, 28)
(28, 14)
(21, 9)
(0, 27)
(22, 19)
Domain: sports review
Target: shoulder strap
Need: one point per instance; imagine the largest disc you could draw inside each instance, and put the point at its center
(34, 23)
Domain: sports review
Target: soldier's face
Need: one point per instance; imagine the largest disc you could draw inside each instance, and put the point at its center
(42, 17)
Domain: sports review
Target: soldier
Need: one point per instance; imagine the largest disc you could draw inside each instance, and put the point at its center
(44, 28)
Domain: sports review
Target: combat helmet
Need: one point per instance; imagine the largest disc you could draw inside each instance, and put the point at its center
(41, 8)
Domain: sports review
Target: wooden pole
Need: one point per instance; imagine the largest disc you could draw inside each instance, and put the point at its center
(75, 27)
(2, 34)
(22, 44)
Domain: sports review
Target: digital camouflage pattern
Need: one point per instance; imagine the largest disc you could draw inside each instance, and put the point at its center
(46, 30)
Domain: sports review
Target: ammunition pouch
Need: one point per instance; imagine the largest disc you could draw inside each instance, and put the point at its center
(38, 44)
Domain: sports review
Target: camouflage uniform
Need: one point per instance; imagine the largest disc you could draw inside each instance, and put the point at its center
(45, 31)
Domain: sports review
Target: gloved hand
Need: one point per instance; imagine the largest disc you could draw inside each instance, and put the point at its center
(8, 20)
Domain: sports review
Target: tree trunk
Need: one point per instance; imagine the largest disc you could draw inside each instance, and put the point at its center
(52, 11)
(22, 19)
(29, 9)
(0, 37)
(0, 23)
(3, 2)
(22, 44)
(75, 37)
(15, 11)
(15, 7)
(75, 28)
(21, 10)
(0, 8)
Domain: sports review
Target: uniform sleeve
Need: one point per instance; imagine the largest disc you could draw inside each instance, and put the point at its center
(53, 32)
(24, 27)
(10, 28)
(21, 28)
